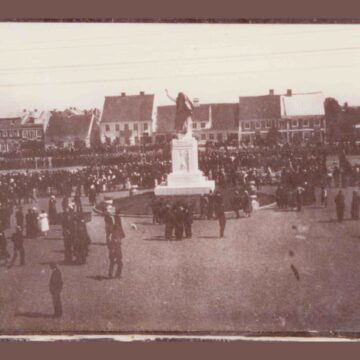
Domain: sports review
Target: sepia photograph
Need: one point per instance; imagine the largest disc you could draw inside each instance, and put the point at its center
(179, 180)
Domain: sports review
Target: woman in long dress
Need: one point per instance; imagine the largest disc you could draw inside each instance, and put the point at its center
(43, 222)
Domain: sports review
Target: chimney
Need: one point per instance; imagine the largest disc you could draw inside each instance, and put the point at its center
(142, 93)
(271, 92)
(123, 94)
(288, 92)
(346, 105)
(196, 102)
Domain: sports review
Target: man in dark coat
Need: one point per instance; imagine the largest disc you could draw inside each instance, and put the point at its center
(169, 222)
(204, 203)
(55, 287)
(114, 246)
(19, 216)
(340, 205)
(179, 222)
(18, 240)
(109, 224)
(66, 228)
(355, 203)
(52, 210)
(221, 218)
(188, 220)
(210, 213)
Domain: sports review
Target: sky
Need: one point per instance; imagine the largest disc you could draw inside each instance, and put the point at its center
(49, 66)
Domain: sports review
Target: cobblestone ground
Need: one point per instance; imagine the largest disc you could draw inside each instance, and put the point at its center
(264, 276)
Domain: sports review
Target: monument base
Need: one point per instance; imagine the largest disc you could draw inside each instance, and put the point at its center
(186, 178)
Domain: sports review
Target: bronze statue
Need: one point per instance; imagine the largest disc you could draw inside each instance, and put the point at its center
(184, 109)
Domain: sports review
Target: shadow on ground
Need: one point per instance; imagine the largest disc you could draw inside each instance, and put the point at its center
(34, 315)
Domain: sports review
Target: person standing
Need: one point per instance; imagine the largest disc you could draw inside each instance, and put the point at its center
(52, 210)
(114, 246)
(18, 241)
(19, 216)
(66, 226)
(355, 203)
(204, 202)
(340, 205)
(179, 222)
(55, 287)
(299, 198)
(324, 196)
(210, 212)
(109, 223)
(43, 223)
(4, 254)
(221, 218)
(169, 222)
(188, 220)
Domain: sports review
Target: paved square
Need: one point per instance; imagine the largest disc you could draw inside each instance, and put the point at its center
(241, 284)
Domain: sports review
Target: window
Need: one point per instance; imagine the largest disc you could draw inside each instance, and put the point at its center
(294, 123)
(317, 122)
(203, 125)
(38, 133)
(268, 124)
(257, 124)
(220, 136)
(247, 125)
(203, 137)
(263, 124)
(107, 127)
(135, 126)
(145, 126)
(117, 127)
(126, 127)
(194, 125)
(211, 136)
(305, 123)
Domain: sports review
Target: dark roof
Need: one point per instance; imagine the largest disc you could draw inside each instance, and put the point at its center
(166, 116)
(259, 107)
(9, 122)
(201, 113)
(127, 108)
(65, 125)
(225, 116)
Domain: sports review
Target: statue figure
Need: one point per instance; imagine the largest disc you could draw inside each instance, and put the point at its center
(184, 160)
(184, 109)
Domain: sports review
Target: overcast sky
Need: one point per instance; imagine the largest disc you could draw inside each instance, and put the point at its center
(47, 66)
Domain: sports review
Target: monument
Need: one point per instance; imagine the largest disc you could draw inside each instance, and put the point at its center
(185, 178)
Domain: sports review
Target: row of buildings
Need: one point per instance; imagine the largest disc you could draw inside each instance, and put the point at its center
(135, 119)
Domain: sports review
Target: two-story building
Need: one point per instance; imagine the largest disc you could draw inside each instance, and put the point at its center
(128, 119)
(23, 130)
(296, 116)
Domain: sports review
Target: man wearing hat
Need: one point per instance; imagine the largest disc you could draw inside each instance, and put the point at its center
(55, 287)
(18, 240)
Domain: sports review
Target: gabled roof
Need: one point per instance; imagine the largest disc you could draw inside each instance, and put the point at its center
(302, 104)
(259, 107)
(127, 108)
(225, 116)
(65, 125)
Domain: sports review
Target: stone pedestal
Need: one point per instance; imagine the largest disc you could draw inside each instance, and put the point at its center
(185, 178)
